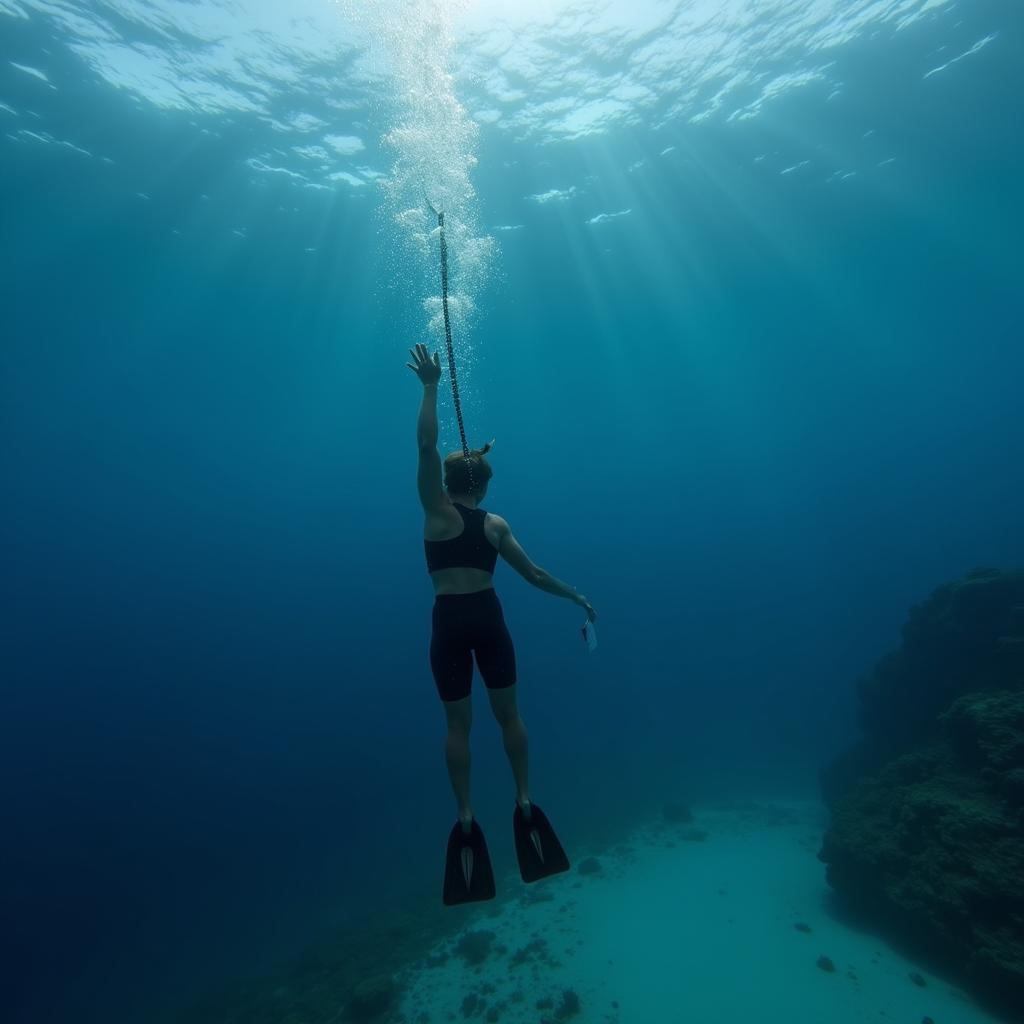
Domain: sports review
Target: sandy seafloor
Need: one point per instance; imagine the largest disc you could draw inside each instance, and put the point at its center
(683, 923)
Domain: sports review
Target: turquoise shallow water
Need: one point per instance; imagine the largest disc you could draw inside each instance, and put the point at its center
(736, 288)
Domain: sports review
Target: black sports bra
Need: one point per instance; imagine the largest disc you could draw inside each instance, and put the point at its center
(470, 550)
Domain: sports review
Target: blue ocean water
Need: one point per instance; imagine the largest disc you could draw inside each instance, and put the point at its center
(746, 288)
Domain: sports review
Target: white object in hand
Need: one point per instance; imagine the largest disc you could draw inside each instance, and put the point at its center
(589, 636)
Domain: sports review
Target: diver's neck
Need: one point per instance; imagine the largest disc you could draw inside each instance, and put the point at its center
(463, 499)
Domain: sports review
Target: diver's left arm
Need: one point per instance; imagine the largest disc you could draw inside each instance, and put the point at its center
(426, 422)
(429, 372)
(428, 473)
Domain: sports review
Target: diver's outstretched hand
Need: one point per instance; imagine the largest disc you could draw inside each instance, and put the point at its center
(428, 370)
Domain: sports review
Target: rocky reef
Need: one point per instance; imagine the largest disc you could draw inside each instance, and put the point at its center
(927, 836)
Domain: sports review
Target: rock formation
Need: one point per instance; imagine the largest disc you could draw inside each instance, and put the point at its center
(927, 834)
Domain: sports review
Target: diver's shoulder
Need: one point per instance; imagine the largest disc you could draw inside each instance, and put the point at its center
(500, 524)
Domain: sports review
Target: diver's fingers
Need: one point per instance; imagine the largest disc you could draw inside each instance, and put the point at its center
(437, 359)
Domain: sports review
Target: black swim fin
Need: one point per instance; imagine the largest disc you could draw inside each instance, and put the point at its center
(537, 847)
(468, 875)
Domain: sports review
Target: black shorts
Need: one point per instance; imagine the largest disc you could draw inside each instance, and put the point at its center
(464, 625)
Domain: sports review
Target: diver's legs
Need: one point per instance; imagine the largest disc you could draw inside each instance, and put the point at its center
(513, 733)
(460, 718)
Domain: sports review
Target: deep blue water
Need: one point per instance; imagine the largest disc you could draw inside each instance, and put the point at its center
(754, 420)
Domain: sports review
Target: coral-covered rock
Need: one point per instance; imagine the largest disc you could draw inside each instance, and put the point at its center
(968, 636)
(928, 810)
(934, 843)
(928, 826)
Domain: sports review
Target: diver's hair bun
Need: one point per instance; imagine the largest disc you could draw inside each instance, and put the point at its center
(467, 471)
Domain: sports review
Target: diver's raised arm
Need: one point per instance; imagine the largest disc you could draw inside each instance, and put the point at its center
(428, 474)
(429, 372)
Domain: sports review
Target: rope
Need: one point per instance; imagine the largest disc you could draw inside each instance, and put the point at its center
(448, 342)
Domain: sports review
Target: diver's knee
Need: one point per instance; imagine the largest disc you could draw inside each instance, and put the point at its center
(458, 730)
(511, 720)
